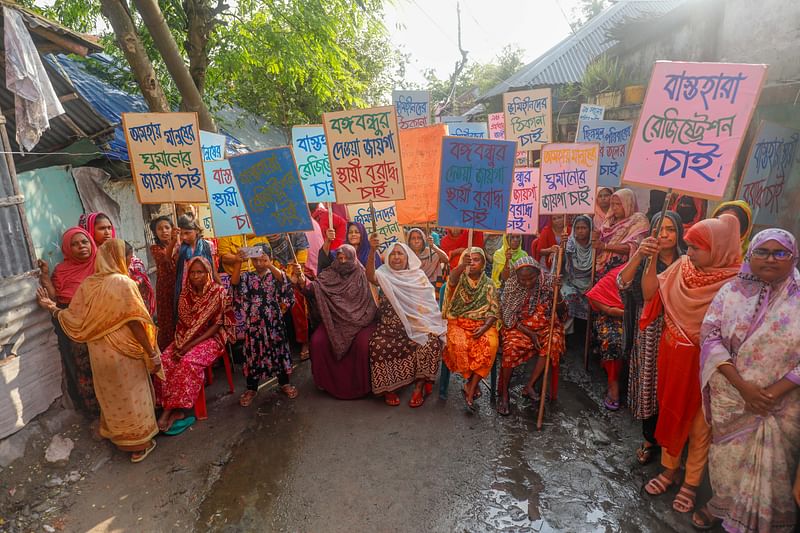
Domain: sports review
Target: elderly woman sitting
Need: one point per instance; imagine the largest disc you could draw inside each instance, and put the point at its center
(471, 308)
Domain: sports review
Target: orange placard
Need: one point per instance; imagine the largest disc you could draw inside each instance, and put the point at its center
(422, 158)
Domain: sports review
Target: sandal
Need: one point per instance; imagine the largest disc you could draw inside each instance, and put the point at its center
(659, 485)
(503, 409)
(138, 457)
(471, 407)
(428, 388)
(703, 520)
(610, 404)
(391, 399)
(417, 398)
(645, 454)
(247, 397)
(684, 500)
(305, 354)
(290, 391)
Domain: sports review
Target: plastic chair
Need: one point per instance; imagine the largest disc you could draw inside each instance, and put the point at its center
(200, 410)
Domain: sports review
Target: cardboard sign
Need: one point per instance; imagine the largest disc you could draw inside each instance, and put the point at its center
(475, 183)
(212, 146)
(311, 153)
(529, 119)
(364, 154)
(497, 126)
(271, 191)
(475, 130)
(386, 225)
(768, 173)
(568, 182)
(422, 157)
(413, 108)
(591, 112)
(204, 215)
(691, 126)
(523, 211)
(166, 159)
(225, 201)
(613, 136)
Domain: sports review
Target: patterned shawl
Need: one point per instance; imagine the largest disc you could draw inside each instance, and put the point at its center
(629, 230)
(344, 300)
(499, 258)
(475, 300)
(70, 273)
(198, 311)
(514, 295)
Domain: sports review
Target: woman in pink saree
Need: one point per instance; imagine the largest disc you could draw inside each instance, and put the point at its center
(750, 379)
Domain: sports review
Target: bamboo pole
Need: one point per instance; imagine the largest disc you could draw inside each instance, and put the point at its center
(657, 230)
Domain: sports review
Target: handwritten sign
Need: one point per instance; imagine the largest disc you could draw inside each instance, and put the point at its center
(523, 211)
(271, 190)
(166, 159)
(591, 112)
(422, 156)
(568, 180)
(769, 167)
(413, 108)
(497, 126)
(225, 201)
(311, 152)
(386, 225)
(529, 118)
(204, 215)
(692, 124)
(475, 183)
(476, 130)
(364, 154)
(613, 136)
(212, 146)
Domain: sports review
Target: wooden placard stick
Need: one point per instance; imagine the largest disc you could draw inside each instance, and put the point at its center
(372, 215)
(469, 239)
(330, 215)
(657, 230)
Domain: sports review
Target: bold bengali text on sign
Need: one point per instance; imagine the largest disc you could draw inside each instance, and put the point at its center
(212, 146)
(422, 155)
(364, 155)
(386, 226)
(475, 130)
(692, 125)
(523, 211)
(767, 175)
(568, 180)
(614, 137)
(271, 191)
(311, 153)
(225, 201)
(413, 108)
(529, 119)
(475, 183)
(166, 158)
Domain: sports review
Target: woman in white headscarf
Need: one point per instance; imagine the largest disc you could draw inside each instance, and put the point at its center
(406, 347)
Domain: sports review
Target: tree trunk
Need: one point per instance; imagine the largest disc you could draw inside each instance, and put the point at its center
(165, 43)
(128, 40)
(199, 21)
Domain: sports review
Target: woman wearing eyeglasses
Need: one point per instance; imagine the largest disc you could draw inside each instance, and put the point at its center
(750, 379)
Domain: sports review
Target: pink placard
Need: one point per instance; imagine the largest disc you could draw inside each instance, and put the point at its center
(523, 210)
(497, 126)
(568, 182)
(692, 125)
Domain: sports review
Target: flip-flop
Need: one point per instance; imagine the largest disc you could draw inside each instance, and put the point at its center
(417, 399)
(610, 404)
(245, 400)
(290, 391)
(471, 407)
(144, 454)
(180, 425)
(706, 521)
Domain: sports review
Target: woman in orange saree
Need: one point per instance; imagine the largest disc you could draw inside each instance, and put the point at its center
(108, 314)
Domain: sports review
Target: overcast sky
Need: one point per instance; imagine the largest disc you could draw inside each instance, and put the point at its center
(427, 29)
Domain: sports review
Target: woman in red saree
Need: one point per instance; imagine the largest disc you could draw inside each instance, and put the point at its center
(455, 242)
(204, 319)
(684, 291)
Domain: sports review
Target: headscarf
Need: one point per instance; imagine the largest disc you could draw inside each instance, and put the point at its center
(69, 274)
(515, 295)
(430, 263)
(600, 215)
(580, 256)
(686, 292)
(629, 230)
(412, 296)
(87, 222)
(105, 302)
(186, 253)
(363, 246)
(451, 242)
(475, 300)
(499, 260)
(745, 217)
(344, 300)
(199, 310)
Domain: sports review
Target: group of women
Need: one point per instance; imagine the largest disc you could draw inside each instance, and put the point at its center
(691, 321)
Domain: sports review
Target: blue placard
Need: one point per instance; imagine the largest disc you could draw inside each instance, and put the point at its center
(614, 137)
(476, 130)
(475, 183)
(311, 151)
(271, 191)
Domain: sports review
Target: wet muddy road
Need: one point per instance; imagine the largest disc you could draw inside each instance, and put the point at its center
(319, 464)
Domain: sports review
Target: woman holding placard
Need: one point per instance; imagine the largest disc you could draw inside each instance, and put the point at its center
(455, 241)
(357, 238)
(621, 233)
(684, 292)
(406, 347)
(472, 308)
(432, 258)
(510, 252)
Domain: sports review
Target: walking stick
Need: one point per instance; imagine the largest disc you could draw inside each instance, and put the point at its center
(588, 337)
(556, 290)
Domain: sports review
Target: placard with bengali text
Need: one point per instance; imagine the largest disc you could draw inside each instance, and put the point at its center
(614, 137)
(529, 117)
(311, 154)
(568, 179)
(523, 211)
(413, 108)
(386, 226)
(475, 130)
